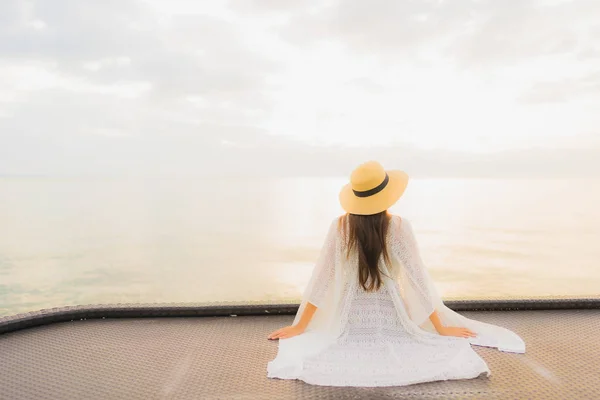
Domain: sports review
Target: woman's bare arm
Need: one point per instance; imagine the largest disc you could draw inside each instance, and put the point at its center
(309, 311)
(435, 320)
(449, 330)
(294, 330)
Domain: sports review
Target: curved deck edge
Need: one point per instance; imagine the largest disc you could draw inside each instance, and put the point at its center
(82, 312)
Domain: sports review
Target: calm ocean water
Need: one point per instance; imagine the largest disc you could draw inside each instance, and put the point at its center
(69, 241)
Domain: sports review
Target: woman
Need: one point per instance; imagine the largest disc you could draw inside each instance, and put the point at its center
(370, 315)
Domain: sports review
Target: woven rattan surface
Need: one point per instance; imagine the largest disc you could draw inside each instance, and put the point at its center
(225, 358)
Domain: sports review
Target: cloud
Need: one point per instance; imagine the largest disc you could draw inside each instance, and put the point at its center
(250, 155)
(72, 30)
(135, 87)
(470, 32)
(366, 85)
(505, 33)
(124, 41)
(273, 6)
(74, 71)
(564, 90)
(546, 49)
(388, 29)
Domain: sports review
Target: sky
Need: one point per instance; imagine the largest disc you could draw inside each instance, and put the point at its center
(461, 88)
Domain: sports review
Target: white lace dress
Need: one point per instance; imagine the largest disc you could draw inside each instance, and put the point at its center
(382, 338)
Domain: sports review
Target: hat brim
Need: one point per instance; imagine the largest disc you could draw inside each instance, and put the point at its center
(378, 202)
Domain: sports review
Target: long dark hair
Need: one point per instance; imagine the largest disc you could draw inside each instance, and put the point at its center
(367, 234)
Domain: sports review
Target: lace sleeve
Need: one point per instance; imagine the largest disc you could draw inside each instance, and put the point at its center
(415, 284)
(323, 273)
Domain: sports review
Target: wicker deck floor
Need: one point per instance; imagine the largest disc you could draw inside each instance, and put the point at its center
(226, 357)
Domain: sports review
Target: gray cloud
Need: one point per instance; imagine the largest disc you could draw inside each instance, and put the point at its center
(484, 35)
(564, 90)
(389, 29)
(196, 54)
(273, 6)
(129, 92)
(367, 85)
(467, 31)
(72, 30)
(512, 32)
(253, 155)
(98, 50)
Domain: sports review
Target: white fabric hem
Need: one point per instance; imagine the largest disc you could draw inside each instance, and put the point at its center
(482, 370)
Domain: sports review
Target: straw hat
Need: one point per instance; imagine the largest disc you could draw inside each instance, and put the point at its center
(372, 189)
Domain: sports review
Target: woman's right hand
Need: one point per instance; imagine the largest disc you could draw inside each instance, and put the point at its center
(286, 332)
(456, 331)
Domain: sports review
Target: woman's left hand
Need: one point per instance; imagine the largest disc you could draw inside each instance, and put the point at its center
(286, 333)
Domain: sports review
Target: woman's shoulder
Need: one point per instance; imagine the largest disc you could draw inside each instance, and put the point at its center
(399, 220)
(337, 222)
(401, 225)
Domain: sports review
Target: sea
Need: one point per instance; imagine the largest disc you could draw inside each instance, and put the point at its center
(74, 241)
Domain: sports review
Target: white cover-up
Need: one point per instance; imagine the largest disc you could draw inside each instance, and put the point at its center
(383, 338)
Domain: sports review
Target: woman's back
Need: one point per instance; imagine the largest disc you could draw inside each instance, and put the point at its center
(373, 312)
(393, 240)
(363, 316)
(365, 337)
